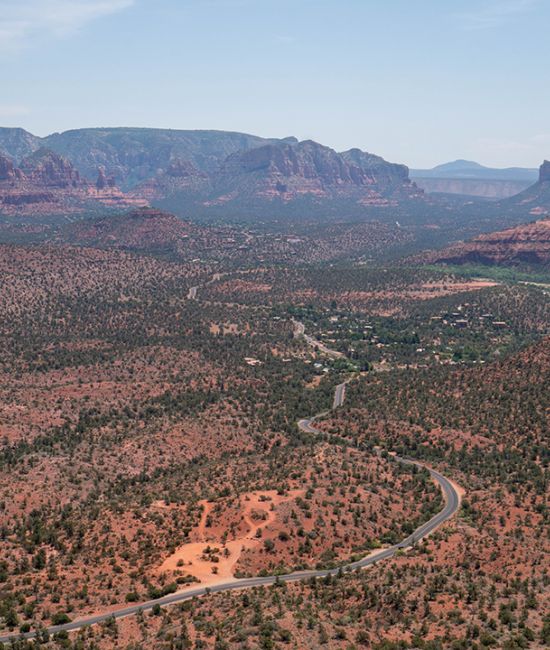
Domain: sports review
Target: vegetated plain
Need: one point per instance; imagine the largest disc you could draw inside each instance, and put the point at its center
(153, 373)
(138, 424)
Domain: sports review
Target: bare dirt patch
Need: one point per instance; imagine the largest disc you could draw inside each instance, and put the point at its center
(209, 560)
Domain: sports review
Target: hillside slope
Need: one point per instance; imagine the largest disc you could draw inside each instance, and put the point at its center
(525, 244)
(131, 155)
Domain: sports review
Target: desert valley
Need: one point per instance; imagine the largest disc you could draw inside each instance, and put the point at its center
(274, 325)
(159, 373)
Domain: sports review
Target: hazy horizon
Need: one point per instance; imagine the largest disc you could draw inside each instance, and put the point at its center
(417, 85)
(167, 128)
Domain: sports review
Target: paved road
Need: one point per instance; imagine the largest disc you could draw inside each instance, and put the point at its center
(340, 394)
(192, 293)
(300, 330)
(452, 503)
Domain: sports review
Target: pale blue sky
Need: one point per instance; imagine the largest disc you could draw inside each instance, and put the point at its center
(417, 81)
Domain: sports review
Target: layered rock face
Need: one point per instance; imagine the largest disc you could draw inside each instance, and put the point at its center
(187, 171)
(383, 172)
(134, 155)
(103, 181)
(486, 189)
(287, 171)
(306, 160)
(312, 161)
(7, 170)
(544, 172)
(284, 171)
(180, 176)
(48, 169)
(470, 179)
(47, 184)
(535, 200)
(525, 244)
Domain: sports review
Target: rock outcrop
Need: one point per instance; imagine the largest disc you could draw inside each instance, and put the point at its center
(544, 172)
(535, 200)
(381, 171)
(103, 181)
(179, 168)
(289, 170)
(525, 244)
(190, 172)
(45, 183)
(311, 161)
(7, 170)
(48, 169)
(180, 176)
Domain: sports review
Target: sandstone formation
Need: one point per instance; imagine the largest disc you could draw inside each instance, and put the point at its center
(291, 170)
(535, 200)
(46, 184)
(199, 171)
(525, 244)
(544, 172)
(7, 171)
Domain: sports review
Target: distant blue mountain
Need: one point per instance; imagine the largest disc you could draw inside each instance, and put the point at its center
(468, 169)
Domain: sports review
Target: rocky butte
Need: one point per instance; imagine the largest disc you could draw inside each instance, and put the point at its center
(535, 200)
(288, 170)
(544, 172)
(45, 183)
(293, 178)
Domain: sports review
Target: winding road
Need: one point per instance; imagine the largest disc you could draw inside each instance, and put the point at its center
(452, 504)
(300, 331)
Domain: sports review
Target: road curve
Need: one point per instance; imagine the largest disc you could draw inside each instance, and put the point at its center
(452, 503)
(300, 331)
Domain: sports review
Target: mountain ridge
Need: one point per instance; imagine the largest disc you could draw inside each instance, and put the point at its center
(470, 178)
(472, 169)
(206, 170)
(131, 154)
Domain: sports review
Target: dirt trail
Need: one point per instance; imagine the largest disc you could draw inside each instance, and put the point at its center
(218, 564)
(201, 528)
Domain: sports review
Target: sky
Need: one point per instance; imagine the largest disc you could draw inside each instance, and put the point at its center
(420, 82)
